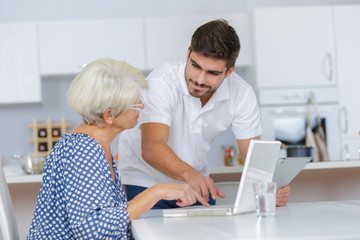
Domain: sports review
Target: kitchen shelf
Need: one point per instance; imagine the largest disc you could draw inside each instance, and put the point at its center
(45, 135)
(44, 140)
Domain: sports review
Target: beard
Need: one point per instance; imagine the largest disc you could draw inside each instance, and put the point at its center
(207, 89)
(196, 92)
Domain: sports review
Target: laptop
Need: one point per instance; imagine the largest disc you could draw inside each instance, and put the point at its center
(259, 165)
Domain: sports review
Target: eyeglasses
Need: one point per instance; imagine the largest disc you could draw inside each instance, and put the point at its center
(138, 106)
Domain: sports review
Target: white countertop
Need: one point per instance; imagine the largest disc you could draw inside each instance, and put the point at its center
(312, 220)
(24, 178)
(309, 166)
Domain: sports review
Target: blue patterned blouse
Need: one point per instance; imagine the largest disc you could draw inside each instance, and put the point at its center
(78, 198)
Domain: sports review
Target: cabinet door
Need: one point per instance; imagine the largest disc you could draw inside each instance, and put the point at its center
(350, 149)
(19, 71)
(347, 28)
(65, 46)
(294, 46)
(168, 38)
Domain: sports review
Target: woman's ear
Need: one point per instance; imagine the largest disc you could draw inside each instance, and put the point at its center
(108, 116)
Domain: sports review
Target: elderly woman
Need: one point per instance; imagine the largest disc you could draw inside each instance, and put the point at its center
(81, 194)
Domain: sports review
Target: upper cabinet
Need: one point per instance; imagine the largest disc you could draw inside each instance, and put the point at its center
(347, 28)
(19, 67)
(66, 46)
(146, 43)
(168, 38)
(294, 46)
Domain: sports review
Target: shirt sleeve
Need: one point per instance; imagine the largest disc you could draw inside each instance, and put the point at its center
(93, 209)
(246, 123)
(159, 99)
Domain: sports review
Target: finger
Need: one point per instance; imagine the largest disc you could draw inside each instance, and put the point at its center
(204, 190)
(213, 190)
(186, 200)
(181, 203)
(220, 193)
(281, 203)
(282, 195)
(285, 189)
(201, 200)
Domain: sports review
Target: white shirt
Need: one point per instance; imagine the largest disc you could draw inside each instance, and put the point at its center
(192, 128)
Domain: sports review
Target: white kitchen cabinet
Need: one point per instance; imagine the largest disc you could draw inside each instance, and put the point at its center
(350, 148)
(347, 28)
(294, 46)
(168, 38)
(66, 46)
(19, 66)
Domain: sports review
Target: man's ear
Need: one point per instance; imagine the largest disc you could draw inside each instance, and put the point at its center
(188, 53)
(229, 71)
(107, 116)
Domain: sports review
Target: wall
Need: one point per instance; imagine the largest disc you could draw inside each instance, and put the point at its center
(39, 10)
(15, 118)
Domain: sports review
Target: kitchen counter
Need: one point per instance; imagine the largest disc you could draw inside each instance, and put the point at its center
(324, 181)
(24, 178)
(310, 220)
(309, 166)
(319, 181)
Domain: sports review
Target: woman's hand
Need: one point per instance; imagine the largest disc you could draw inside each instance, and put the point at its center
(282, 196)
(183, 193)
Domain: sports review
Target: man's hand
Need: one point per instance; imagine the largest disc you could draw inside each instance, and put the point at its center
(282, 196)
(204, 185)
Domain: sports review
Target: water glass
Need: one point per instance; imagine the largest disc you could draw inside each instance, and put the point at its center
(265, 198)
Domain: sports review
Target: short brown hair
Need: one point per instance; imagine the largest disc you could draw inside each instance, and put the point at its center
(216, 39)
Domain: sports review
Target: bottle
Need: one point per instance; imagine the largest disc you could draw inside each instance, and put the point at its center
(229, 156)
(240, 160)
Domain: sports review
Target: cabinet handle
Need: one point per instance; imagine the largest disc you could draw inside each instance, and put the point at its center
(346, 152)
(331, 67)
(344, 120)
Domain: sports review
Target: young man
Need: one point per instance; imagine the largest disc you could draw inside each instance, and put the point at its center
(187, 105)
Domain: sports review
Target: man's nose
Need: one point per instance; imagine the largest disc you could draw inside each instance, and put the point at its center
(201, 80)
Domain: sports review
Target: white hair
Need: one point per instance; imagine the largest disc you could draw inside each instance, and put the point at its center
(105, 84)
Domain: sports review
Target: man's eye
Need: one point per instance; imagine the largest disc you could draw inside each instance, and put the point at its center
(195, 66)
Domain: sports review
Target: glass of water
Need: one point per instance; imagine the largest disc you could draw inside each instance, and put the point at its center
(265, 198)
